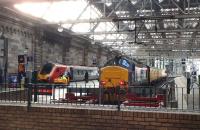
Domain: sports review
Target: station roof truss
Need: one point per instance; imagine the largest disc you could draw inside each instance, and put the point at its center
(167, 28)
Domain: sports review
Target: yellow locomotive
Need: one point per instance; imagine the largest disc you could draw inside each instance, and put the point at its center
(124, 72)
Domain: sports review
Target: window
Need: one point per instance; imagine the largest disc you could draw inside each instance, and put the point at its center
(124, 63)
(47, 68)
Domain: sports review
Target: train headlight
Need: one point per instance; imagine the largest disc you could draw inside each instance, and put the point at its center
(48, 78)
(122, 82)
(103, 83)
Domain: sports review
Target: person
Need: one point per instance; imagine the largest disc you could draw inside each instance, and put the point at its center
(63, 78)
(86, 77)
(69, 75)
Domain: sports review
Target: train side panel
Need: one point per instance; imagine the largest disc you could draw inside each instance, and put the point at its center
(57, 72)
(53, 76)
(152, 74)
(78, 72)
(63, 74)
(157, 74)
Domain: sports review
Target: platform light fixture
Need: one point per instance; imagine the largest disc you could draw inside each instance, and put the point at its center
(60, 28)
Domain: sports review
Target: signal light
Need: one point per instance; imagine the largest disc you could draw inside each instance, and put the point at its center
(21, 68)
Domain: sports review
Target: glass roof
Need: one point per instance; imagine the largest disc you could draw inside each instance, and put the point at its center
(53, 11)
(64, 11)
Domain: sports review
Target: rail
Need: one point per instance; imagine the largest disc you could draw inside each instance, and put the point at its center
(85, 95)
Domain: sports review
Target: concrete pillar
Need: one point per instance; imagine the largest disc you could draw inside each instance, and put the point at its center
(66, 51)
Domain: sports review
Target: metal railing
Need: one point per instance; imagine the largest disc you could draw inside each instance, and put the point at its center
(90, 95)
(14, 93)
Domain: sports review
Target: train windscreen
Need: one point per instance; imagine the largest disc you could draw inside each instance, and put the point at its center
(47, 68)
(124, 63)
(114, 61)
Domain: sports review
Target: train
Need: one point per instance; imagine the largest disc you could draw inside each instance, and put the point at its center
(64, 74)
(125, 73)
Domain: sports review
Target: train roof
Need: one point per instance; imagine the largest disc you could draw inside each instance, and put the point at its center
(82, 67)
(75, 66)
(134, 61)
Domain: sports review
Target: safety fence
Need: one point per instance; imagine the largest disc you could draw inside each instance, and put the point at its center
(165, 98)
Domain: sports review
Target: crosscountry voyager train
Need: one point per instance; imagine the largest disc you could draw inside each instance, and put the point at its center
(54, 73)
(126, 73)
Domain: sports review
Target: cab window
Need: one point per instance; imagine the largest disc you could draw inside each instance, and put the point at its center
(124, 63)
(47, 68)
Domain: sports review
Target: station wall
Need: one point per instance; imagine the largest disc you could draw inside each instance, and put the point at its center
(17, 46)
(27, 36)
(76, 56)
(103, 60)
(51, 53)
(45, 118)
(92, 58)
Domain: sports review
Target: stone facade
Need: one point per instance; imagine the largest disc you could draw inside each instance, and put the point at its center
(43, 42)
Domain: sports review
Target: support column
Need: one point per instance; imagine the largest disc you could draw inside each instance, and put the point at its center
(85, 56)
(163, 62)
(5, 60)
(66, 51)
(160, 63)
(172, 62)
(37, 49)
(99, 56)
(152, 63)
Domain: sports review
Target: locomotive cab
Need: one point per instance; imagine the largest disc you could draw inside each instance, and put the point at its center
(53, 73)
(132, 77)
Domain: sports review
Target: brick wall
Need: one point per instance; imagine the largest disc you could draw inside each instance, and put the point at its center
(18, 118)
